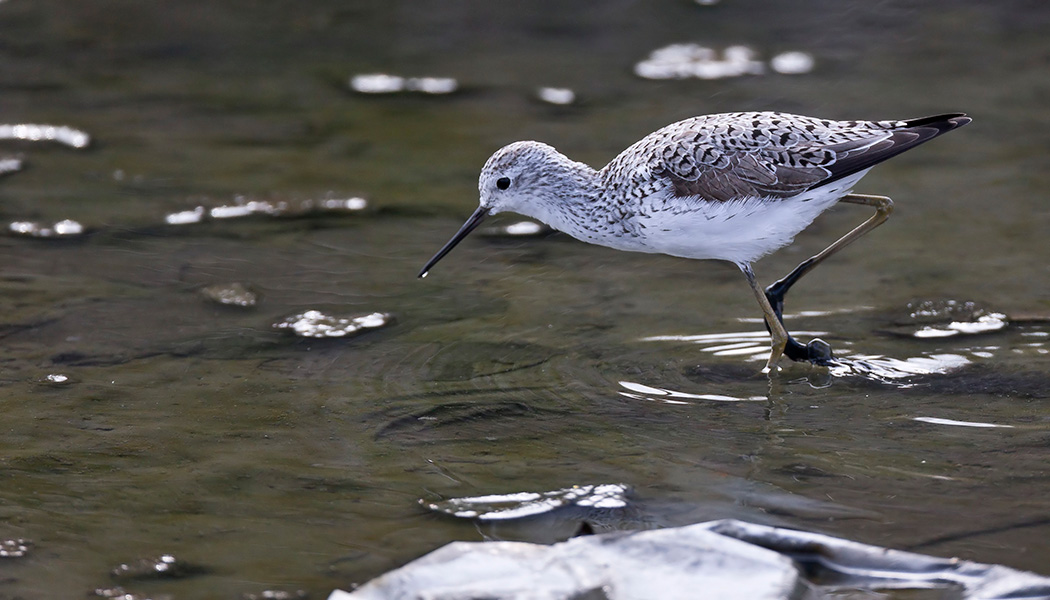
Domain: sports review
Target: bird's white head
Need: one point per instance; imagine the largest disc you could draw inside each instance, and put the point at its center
(529, 178)
(522, 177)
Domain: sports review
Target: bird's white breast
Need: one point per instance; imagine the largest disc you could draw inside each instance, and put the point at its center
(741, 230)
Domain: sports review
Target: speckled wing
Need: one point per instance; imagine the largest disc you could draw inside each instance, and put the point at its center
(776, 155)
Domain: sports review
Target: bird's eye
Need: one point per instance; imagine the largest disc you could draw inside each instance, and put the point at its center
(503, 183)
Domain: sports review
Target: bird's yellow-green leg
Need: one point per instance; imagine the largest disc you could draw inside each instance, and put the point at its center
(818, 350)
(777, 332)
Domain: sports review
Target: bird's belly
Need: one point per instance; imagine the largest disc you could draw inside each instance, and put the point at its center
(740, 231)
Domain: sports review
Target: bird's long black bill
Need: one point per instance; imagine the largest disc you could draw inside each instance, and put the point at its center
(471, 224)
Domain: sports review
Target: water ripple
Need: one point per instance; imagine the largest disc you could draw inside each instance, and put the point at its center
(940, 421)
(887, 370)
(754, 346)
(639, 391)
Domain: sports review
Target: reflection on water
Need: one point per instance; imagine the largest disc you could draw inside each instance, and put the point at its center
(751, 345)
(886, 369)
(495, 507)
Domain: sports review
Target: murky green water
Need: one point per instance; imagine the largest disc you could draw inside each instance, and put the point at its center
(270, 462)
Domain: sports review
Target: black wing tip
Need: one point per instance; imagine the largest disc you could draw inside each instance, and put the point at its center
(911, 133)
(942, 123)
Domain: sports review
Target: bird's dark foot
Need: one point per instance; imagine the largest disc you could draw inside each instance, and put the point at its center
(817, 351)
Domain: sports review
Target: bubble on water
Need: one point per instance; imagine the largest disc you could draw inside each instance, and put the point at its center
(63, 228)
(316, 324)
(431, 85)
(383, 83)
(682, 61)
(231, 294)
(377, 83)
(165, 566)
(334, 204)
(185, 217)
(10, 165)
(792, 63)
(242, 207)
(53, 133)
(68, 227)
(15, 548)
(560, 96)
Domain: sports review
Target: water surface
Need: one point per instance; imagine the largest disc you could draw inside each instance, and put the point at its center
(142, 418)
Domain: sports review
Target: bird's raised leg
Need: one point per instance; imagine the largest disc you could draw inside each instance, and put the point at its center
(777, 332)
(818, 351)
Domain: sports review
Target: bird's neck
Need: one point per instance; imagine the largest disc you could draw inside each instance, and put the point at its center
(569, 191)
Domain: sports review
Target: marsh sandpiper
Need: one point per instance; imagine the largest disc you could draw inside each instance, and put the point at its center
(733, 186)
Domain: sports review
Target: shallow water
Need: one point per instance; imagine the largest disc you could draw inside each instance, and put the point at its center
(142, 417)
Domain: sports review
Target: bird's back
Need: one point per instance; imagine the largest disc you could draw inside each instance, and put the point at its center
(737, 186)
(766, 154)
